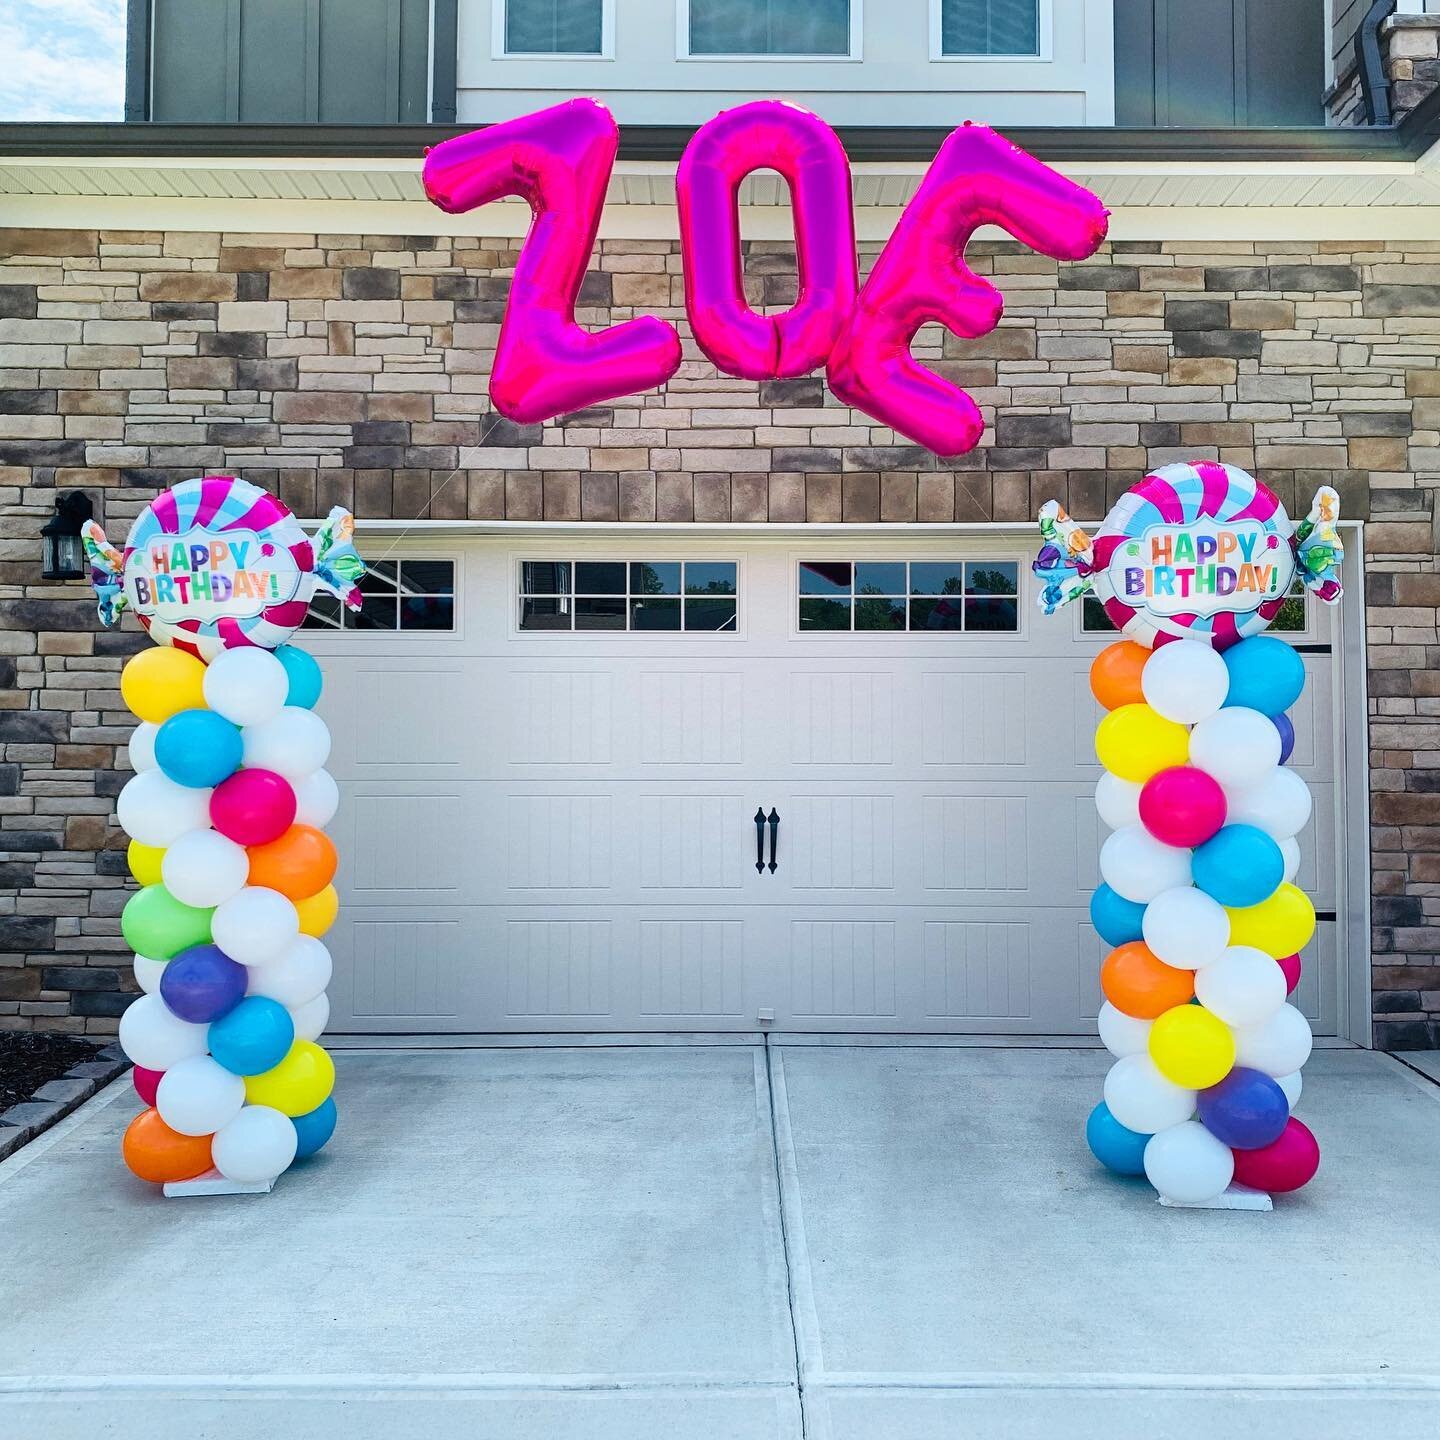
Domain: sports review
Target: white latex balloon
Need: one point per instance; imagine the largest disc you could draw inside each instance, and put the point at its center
(1292, 1085)
(1184, 927)
(156, 1039)
(295, 977)
(1278, 1046)
(1142, 1099)
(1188, 1165)
(1138, 867)
(1123, 1034)
(317, 798)
(1279, 804)
(295, 743)
(1237, 746)
(311, 1018)
(1290, 852)
(1244, 986)
(246, 685)
(198, 1096)
(154, 810)
(1185, 681)
(256, 926)
(141, 746)
(256, 1146)
(204, 868)
(1118, 801)
(148, 973)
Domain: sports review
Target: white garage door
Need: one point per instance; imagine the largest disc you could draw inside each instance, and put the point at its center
(550, 812)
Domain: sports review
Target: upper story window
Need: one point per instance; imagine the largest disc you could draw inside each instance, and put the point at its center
(770, 27)
(978, 28)
(554, 27)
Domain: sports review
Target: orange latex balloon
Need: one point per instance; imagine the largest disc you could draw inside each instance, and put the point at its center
(301, 863)
(1138, 983)
(156, 1153)
(1115, 674)
(317, 912)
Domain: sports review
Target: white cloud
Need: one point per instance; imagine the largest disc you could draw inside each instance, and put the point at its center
(62, 60)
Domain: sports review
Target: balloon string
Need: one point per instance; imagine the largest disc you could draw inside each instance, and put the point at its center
(434, 496)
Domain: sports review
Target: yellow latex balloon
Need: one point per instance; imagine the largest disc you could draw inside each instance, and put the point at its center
(144, 862)
(1280, 926)
(162, 680)
(317, 914)
(1191, 1047)
(1134, 742)
(299, 1084)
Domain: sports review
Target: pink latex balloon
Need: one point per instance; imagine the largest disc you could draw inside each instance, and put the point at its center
(773, 135)
(977, 179)
(1290, 964)
(558, 160)
(1285, 1165)
(253, 807)
(1182, 806)
(146, 1082)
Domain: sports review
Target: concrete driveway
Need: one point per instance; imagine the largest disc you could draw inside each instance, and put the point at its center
(726, 1242)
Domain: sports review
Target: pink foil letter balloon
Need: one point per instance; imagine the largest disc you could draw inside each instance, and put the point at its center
(977, 179)
(773, 135)
(558, 160)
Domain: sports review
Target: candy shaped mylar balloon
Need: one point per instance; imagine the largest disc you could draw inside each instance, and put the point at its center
(216, 563)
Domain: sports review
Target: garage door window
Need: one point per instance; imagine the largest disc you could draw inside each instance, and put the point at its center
(899, 596)
(397, 595)
(638, 596)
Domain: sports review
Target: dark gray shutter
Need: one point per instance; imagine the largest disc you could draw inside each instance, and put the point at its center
(1219, 62)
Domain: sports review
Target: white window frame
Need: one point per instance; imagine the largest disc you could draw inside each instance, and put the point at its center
(860, 555)
(1045, 39)
(855, 53)
(576, 555)
(498, 11)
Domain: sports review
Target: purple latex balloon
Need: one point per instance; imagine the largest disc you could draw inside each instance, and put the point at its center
(202, 984)
(1247, 1110)
(978, 178)
(559, 161)
(1287, 735)
(766, 135)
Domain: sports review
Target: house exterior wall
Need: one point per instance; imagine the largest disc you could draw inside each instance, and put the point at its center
(1410, 54)
(890, 79)
(351, 370)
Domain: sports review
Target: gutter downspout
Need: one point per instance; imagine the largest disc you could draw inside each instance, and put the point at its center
(1374, 83)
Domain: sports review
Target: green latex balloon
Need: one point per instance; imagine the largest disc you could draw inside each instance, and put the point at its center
(156, 924)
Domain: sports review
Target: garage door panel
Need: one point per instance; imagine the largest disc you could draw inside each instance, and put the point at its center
(976, 843)
(396, 972)
(392, 718)
(692, 969)
(559, 841)
(558, 717)
(976, 716)
(415, 842)
(977, 970)
(842, 971)
(559, 969)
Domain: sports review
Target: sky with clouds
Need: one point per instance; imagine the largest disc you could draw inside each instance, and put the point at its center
(63, 59)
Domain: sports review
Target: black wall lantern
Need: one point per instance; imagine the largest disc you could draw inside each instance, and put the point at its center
(63, 555)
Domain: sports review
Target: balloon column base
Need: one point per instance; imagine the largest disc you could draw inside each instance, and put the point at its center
(1236, 1197)
(212, 1182)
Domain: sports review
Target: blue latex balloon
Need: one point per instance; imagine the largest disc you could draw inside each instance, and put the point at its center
(304, 672)
(198, 748)
(1115, 1147)
(1246, 1110)
(1266, 674)
(314, 1129)
(254, 1037)
(1116, 919)
(1238, 866)
(202, 984)
(1287, 736)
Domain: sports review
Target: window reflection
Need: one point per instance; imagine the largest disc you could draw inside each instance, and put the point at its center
(639, 596)
(915, 595)
(402, 594)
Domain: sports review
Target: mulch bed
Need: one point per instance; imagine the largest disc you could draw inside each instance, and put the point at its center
(29, 1059)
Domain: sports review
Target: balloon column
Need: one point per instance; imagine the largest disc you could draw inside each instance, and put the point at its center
(226, 814)
(1197, 900)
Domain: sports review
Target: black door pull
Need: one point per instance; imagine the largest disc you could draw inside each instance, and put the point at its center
(760, 840)
(774, 835)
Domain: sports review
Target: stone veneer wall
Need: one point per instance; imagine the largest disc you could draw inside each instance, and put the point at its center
(349, 369)
(1410, 53)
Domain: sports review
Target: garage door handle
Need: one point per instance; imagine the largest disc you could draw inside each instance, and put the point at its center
(760, 840)
(774, 835)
